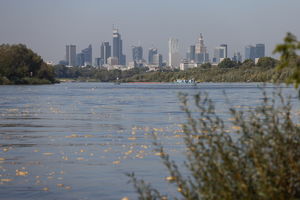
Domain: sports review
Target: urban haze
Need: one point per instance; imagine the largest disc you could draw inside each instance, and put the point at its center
(48, 26)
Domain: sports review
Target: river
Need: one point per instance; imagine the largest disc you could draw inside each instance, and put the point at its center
(78, 140)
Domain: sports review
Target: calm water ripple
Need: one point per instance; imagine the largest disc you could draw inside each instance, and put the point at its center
(77, 140)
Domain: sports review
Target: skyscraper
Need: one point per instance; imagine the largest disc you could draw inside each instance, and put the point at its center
(201, 55)
(192, 52)
(259, 50)
(237, 57)
(117, 47)
(151, 53)
(87, 54)
(157, 59)
(250, 52)
(71, 55)
(225, 50)
(105, 51)
(220, 53)
(137, 53)
(174, 56)
(85, 57)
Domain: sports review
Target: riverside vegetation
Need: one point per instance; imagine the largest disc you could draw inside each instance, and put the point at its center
(256, 156)
(226, 71)
(20, 65)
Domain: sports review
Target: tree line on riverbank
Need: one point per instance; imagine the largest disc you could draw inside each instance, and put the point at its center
(20, 65)
(226, 71)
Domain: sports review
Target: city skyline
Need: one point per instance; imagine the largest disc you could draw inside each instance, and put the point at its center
(47, 26)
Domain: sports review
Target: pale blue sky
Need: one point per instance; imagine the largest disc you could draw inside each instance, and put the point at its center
(48, 25)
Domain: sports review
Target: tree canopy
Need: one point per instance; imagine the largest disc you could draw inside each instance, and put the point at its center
(20, 65)
(289, 57)
(227, 63)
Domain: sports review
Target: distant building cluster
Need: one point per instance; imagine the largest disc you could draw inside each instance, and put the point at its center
(112, 56)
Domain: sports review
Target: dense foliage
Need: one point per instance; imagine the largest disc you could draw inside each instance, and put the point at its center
(20, 65)
(289, 57)
(255, 156)
(96, 74)
(227, 71)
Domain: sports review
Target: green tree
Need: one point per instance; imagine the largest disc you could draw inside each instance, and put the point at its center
(206, 66)
(267, 62)
(18, 64)
(289, 57)
(227, 63)
(248, 63)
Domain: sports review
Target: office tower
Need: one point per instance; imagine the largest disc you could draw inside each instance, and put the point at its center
(99, 62)
(151, 53)
(192, 52)
(237, 57)
(259, 50)
(80, 59)
(250, 52)
(105, 51)
(225, 50)
(71, 55)
(201, 55)
(137, 53)
(117, 47)
(174, 56)
(157, 60)
(220, 53)
(87, 53)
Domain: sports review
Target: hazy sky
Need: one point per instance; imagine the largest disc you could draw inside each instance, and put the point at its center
(47, 26)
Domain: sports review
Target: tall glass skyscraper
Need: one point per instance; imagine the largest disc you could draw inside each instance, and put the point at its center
(137, 53)
(259, 50)
(118, 47)
(174, 56)
(250, 52)
(152, 52)
(105, 51)
(71, 55)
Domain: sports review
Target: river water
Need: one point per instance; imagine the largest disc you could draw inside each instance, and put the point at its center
(78, 140)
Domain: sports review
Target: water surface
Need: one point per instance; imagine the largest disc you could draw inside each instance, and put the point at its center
(77, 140)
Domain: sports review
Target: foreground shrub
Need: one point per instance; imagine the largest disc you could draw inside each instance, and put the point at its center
(255, 156)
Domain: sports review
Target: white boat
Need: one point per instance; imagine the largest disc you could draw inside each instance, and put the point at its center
(189, 82)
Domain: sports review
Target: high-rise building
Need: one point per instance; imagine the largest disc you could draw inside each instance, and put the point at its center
(71, 55)
(105, 51)
(85, 57)
(157, 59)
(192, 53)
(88, 57)
(220, 53)
(259, 50)
(174, 56)
(225, 50)
(152, 52)
(118, 47)
(80, 59)
(237, 57)
(99, 62)
(250, 52)
(137, 53)
(201, 55)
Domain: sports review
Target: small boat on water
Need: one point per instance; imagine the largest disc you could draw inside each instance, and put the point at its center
(186, 82)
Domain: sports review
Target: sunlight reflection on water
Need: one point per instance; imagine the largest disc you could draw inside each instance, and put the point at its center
(83, 137)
